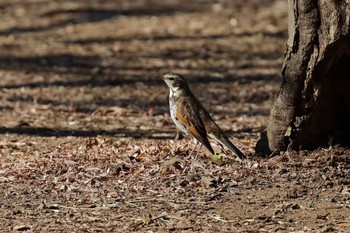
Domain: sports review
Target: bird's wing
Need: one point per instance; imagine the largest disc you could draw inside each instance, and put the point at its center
(187, 113)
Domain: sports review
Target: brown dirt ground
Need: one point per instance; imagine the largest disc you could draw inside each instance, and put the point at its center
(86, 139)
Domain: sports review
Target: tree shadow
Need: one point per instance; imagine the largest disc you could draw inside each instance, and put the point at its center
(107, 40)
(49, 132)
(93, 15)
(139, 134)
(88, 106)
(61, 63)
(82, 67)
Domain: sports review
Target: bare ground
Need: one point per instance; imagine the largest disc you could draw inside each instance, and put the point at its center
(87, 142)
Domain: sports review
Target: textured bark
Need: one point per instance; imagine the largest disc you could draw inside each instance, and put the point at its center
(314, 100)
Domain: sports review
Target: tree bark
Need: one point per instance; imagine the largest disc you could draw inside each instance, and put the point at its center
(313, 104)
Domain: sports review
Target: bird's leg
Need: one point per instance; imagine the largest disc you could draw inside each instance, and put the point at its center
(196, 156)
(190, 154)
(195, 145)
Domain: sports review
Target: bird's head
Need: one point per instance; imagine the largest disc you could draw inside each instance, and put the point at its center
(175, 82)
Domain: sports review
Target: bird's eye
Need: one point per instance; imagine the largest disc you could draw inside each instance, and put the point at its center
(171, 78)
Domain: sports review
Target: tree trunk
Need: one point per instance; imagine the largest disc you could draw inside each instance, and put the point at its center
(313, 105)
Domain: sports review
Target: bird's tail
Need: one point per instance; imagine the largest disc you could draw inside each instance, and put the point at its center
(233, 148)
(224, 141)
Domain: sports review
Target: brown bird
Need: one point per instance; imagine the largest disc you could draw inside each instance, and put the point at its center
(190, 116)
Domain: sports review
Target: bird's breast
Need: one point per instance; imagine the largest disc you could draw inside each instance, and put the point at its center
(173, 111)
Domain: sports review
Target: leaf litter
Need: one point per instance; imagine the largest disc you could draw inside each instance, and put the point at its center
(87, 144)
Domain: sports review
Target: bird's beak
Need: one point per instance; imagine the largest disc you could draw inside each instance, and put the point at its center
(158, 76)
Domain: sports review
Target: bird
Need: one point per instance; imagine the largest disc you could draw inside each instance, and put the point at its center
(191, 118)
